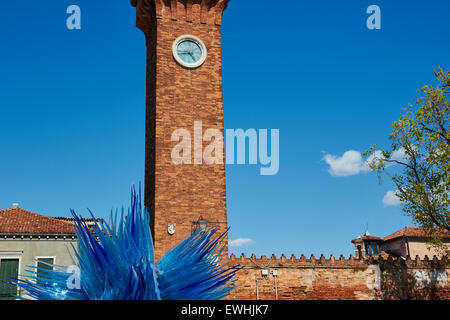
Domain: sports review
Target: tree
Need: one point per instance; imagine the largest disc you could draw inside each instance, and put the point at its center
(420, 145)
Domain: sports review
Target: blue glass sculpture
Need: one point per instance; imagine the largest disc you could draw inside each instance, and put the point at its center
(116, 262)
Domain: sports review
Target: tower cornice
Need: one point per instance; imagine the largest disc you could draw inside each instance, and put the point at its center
(193, 11)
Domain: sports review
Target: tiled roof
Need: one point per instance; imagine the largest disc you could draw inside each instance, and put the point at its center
(369, 237)
(20, 221)
(413, 232)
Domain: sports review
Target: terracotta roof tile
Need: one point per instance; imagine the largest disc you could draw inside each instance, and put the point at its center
(413, 232)
(20, 221)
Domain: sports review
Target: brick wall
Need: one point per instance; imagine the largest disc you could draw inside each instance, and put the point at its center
(340, 279)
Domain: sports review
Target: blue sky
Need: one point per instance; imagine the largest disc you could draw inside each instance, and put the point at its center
(72, 106)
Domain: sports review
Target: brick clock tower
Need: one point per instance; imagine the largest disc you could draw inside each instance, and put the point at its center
(184, 86)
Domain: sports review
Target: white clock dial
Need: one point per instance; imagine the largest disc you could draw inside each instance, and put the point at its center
(189, 51)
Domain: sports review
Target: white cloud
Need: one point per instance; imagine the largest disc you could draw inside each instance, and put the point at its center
(390, 199)
(241, 242)
(349, 164)
(399, 155)
(352, 163)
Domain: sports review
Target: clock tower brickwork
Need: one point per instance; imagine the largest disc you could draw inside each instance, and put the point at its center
(176, 98)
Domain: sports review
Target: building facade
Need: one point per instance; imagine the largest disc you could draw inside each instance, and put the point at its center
(29, 240)
(409, 241)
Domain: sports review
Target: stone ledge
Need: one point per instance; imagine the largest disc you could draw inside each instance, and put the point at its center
(342, 262)
(192, 11)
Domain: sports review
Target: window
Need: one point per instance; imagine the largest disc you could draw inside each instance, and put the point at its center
(44, 264)
(374, 248)
(9, 270)
(359, 251)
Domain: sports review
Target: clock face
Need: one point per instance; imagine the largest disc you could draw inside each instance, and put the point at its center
(189, 51)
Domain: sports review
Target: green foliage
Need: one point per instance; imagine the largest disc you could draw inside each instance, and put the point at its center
(420, 145)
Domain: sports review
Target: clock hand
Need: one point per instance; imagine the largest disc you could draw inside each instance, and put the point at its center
(186, 52)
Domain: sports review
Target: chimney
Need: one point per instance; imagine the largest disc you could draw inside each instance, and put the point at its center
(15, 205)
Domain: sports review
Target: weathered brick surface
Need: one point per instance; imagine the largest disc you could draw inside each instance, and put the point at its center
(342, 279)
(176, 97)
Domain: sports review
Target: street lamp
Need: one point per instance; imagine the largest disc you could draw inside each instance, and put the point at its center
(202, 224)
